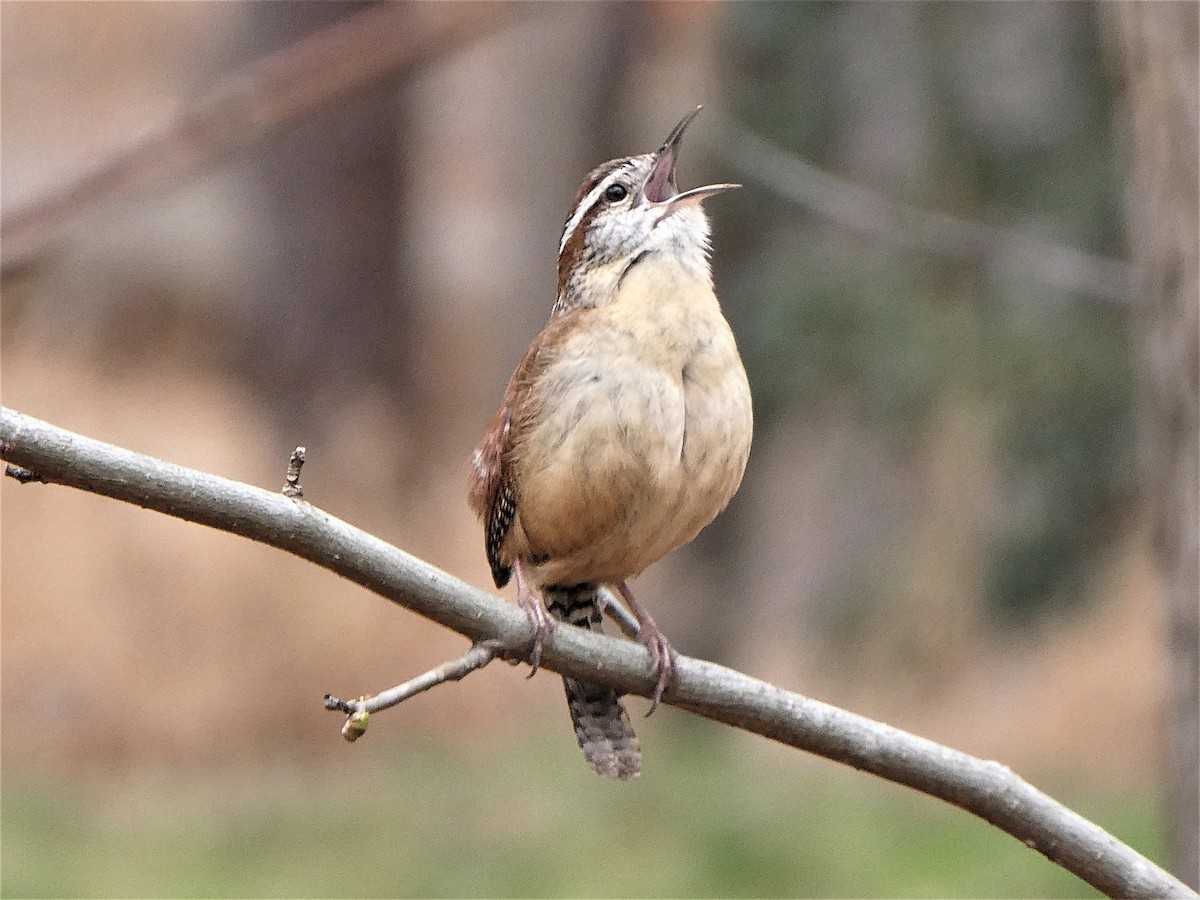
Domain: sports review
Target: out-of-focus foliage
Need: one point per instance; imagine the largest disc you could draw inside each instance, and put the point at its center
(992, 113)
(933, 435)
(421, 827)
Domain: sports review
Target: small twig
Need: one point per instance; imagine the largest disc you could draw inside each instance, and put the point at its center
(357, 719)
(23, 475)
(337, 704)
(292, 488)
(478, 656)
(359, 711)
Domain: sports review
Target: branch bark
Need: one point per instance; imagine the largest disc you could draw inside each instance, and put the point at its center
(478, 656)
(984, 788)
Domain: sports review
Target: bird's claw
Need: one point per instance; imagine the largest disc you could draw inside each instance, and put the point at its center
(662, 654)
(662, 663)
(539, 617)
(542, 626)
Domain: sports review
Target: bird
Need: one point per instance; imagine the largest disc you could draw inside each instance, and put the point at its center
(625, 429)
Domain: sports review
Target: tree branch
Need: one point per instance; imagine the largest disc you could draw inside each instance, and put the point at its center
(455, 670)
(865, 211)
(986, 789)
(242, 107)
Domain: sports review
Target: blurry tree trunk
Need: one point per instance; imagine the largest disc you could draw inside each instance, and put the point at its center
(493, 151)
(328, 316)
(1159, 45)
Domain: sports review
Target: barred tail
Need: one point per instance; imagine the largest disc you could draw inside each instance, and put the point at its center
(601, 724)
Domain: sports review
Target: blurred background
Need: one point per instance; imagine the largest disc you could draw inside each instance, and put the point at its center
(234, 228)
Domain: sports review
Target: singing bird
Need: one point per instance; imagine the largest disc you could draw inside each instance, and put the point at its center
(625, 428)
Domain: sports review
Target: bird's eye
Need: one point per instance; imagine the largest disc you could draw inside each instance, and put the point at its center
(615, 193)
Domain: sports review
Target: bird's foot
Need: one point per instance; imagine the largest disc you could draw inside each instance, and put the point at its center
(662, 654)
(662, 657)
(539, 617)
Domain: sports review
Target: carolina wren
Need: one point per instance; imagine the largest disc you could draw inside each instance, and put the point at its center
(624, 430)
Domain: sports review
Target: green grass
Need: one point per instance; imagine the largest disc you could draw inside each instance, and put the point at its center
(731, 819)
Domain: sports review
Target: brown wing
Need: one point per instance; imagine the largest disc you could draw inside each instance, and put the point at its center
(493, 491)
(491, 495)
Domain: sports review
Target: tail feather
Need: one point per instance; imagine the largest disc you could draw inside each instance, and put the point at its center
(601, 723)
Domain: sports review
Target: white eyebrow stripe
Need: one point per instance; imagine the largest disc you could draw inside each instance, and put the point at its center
(586, 204)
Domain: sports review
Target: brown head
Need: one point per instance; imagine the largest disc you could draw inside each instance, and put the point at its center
(625, 209)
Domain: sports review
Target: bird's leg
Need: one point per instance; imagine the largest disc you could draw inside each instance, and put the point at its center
(662, 654)
(617, 611)
(539, 617)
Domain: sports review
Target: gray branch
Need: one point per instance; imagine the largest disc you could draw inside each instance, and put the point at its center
(984, 788)
(478, 656)
(865, 211)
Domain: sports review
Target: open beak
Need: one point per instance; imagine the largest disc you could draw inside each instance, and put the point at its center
(661, 187)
